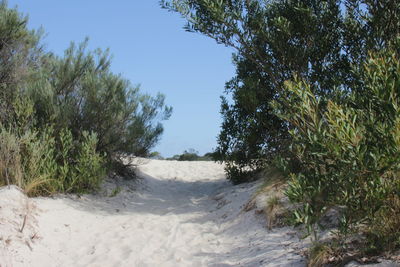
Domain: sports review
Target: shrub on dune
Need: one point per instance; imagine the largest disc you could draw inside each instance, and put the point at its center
(65, 120)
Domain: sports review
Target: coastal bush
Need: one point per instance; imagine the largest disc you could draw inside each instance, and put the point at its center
(66, 120)
(155, 155)
(89, 167)
(33, 162)
(84, 95)
(319, 255)
(40, 169)
(189, 155)
(274, 41)
(383, 233)
(349, 149)
(192, 155)
(10, 161)
(19, 53)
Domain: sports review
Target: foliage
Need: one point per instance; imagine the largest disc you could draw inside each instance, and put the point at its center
(348, 149)
(10, 162)
(155, 155)
(383, 233)
(189, 155)
(272, 208)
(86, 96)
(88, 169)
(319, 254)
(192, 155)
(66, 120)
(32, 162)
(19, 55)
(40, 169)
(274, 40)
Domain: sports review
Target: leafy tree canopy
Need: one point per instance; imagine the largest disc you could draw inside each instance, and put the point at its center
(318, 41)
(64, 120)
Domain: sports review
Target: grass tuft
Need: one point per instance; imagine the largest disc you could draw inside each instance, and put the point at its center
(319, 255)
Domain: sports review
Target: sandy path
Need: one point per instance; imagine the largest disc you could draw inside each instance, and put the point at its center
(181, 214)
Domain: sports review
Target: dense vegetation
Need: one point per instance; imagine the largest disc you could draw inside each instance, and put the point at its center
(316, 93)
(192, 155)
(66, 121)
(318, 41)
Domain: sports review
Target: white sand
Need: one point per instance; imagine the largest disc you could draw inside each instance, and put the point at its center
(180, 214)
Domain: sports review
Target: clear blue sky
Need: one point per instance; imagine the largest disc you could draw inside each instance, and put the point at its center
(149, 48)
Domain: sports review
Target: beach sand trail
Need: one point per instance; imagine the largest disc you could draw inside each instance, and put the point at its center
(177, 214)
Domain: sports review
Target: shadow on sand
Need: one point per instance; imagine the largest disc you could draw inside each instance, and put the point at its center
(150, 195)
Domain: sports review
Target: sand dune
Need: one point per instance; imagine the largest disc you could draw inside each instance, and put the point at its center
(178, 214)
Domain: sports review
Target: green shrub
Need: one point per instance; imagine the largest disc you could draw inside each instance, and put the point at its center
(383, 232)
(89, 167)
(319, 254)
(189, 155)
(239, 174)
(10, 159)
(28, 161)
(274, 40)
(348, 149)
(19, 55)
(192, 155)
(64, 121)
(84, 95)
(33, 162)
(40, 169)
